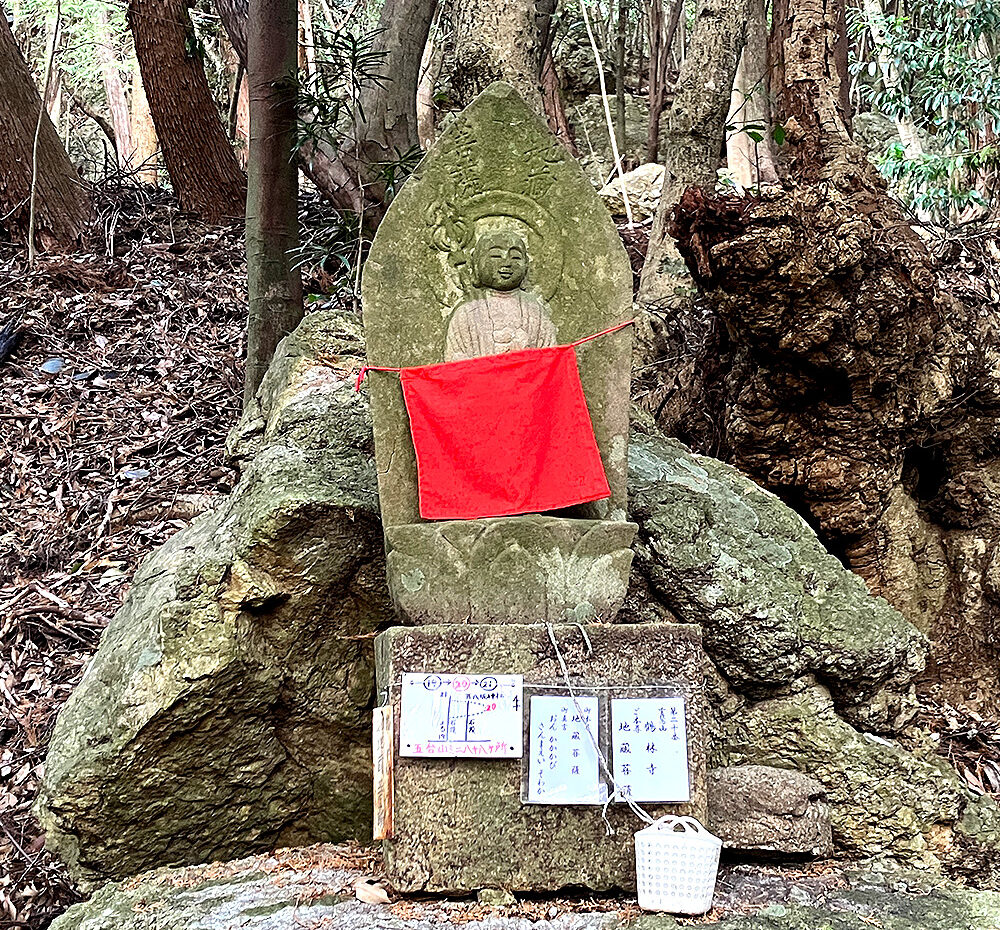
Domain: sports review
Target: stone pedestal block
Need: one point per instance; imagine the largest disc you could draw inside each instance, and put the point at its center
(509, 570)
(460, 824)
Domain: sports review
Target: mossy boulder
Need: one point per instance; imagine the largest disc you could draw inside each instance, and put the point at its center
(883, 798)
(720, 551)
(227, 708)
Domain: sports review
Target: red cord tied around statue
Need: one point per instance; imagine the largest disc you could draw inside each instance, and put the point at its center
(502, 434)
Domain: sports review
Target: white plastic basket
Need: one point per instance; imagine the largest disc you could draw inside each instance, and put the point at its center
(676, 863)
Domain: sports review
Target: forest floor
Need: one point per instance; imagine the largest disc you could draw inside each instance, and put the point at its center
(115, 401)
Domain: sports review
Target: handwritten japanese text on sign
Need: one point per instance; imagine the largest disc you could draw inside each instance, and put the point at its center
(461, 715)
(563, 767)
(649, 749)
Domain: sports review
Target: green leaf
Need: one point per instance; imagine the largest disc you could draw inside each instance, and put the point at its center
(778, 134)
(756, 136)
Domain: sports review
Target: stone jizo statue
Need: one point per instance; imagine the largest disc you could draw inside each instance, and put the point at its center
(508, 317)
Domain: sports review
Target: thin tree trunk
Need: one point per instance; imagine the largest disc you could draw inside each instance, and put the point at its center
(496, 40)
(61, 206)
(275, 288)
(694, 137)
(552, 102)
(620, 73)
(430, 68)
(751, 162)
(307, 46)
(144, 144)
(199, 159)
(53, 99)
(660, 44)
(115, 90)
(386, 120)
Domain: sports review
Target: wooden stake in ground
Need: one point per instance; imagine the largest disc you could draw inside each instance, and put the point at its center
(275, 287)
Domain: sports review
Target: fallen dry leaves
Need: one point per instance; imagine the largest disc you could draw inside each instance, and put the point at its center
(114, 406)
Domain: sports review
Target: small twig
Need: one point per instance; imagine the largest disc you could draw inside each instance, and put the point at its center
(38, 132)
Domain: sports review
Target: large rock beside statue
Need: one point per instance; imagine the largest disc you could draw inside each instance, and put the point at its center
(227, 709)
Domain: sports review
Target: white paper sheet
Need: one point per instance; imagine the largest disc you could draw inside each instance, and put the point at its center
(563, 766)
(649, 749)
(462, 715)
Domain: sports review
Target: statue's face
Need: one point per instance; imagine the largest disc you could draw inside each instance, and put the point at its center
(501, 261)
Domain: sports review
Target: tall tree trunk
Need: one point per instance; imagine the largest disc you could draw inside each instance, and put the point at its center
(809, 80)
(386, 118)
(275, 288)
(751, 162)
(496, 40)
(144, 144)
(430, 68)
(115, 90)
(660, 43)
(620, 34)
(199, 159)
(552, 103)
(61, 206)
(694, 138)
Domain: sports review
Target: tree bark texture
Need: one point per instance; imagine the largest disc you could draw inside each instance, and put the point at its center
(552, 103)
(694, 136)
(809, 80)
(145, 147)
(846, 380)
(61, 204)
(750, 162)
(275, 287)
(831, 364)
(115, 91)
(198, 157)
(386, 126)
(495, 40)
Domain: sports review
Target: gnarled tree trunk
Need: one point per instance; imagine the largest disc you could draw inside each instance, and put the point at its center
(196, 152)
(61, 205)
(845, 377)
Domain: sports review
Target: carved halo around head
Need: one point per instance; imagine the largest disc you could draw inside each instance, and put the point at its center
(508, 211)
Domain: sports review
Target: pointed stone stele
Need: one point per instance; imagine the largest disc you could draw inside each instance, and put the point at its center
(438, 288)
(499, 172)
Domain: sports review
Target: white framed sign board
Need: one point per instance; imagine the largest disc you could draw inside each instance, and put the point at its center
(461, 716)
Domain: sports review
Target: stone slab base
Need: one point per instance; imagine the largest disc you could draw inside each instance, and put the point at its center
(509, 570)
(460, 825)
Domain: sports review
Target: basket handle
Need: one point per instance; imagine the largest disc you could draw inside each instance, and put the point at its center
(669, 822)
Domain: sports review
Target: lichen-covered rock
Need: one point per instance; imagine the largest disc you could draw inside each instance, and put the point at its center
(773, 603)
(226, 710)
(314, 888)
(643, 185)
(763, 809)
(883, 799)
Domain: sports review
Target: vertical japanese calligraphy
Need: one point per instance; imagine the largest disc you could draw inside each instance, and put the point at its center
(649, 749)
(562, 763)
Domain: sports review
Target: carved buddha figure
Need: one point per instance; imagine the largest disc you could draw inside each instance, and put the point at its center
(507, 317)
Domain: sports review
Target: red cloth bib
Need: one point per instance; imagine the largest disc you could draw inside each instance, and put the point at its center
(502, 435)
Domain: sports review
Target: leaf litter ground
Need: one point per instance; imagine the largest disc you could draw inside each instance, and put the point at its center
(114, 407)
